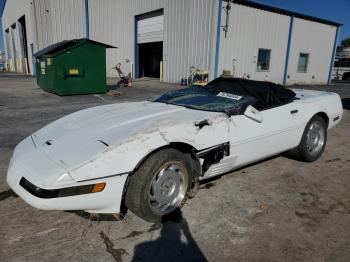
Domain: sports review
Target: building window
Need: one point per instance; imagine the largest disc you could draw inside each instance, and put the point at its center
(303, 62)
(263, 59)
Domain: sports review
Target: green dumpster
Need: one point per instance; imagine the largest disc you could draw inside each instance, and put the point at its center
(72, 67)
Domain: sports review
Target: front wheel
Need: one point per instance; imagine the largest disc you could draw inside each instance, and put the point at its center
(313, 141)
(159, 186)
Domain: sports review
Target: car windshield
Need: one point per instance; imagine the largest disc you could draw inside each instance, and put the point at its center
(202, 98)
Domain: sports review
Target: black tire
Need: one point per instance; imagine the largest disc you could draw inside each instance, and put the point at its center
(138, 198)
(302, 152)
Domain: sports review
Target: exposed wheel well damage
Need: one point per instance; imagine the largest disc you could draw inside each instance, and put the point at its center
(213, 155)
(324, 117)
(208, 156)
(182, 147)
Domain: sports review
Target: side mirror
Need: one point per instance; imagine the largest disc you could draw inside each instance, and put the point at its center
(253, 114)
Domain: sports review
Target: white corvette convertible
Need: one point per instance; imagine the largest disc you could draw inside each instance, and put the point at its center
(150, 156)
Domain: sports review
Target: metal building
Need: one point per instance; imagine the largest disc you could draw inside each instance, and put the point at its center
(163, 38)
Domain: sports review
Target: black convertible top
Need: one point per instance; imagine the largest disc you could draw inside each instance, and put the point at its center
(268, 94)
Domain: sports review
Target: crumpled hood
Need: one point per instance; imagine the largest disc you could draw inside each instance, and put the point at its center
(78, 137)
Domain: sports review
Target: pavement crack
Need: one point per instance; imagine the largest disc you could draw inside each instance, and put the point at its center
(117, 254)
(133, 234)
(333, 160)
(154, 227)
(314, 207)
(6, 194)
(207, 185)
(136, 233)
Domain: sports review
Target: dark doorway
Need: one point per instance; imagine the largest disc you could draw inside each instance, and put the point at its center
(24, 42)
(150, 55)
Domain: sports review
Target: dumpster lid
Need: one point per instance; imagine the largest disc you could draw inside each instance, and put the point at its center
(66, 44)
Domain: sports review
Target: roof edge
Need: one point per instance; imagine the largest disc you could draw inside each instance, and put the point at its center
(275, 9)
(75, 43)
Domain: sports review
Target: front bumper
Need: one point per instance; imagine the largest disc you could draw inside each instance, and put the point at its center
(62, 192)
(32, 167)
(107, 201)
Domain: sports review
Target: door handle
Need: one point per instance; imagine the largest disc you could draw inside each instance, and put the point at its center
(294, 111)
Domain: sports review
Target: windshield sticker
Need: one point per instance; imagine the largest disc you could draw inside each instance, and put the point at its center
(230, 96)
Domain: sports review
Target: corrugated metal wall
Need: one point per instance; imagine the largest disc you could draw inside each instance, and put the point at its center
(188, 26)
(249, 30)
(112, 22)
(43, 25)
(58, 20)
(317, 40)
(189, 35)
(68, 19)
(252, 28)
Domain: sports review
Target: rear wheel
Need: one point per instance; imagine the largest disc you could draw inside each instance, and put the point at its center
(160, 185)
(313, 141)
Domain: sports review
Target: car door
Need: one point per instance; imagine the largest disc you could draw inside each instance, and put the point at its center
(280, 129)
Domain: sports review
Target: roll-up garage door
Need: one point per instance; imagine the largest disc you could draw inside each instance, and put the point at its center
(150, 29)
